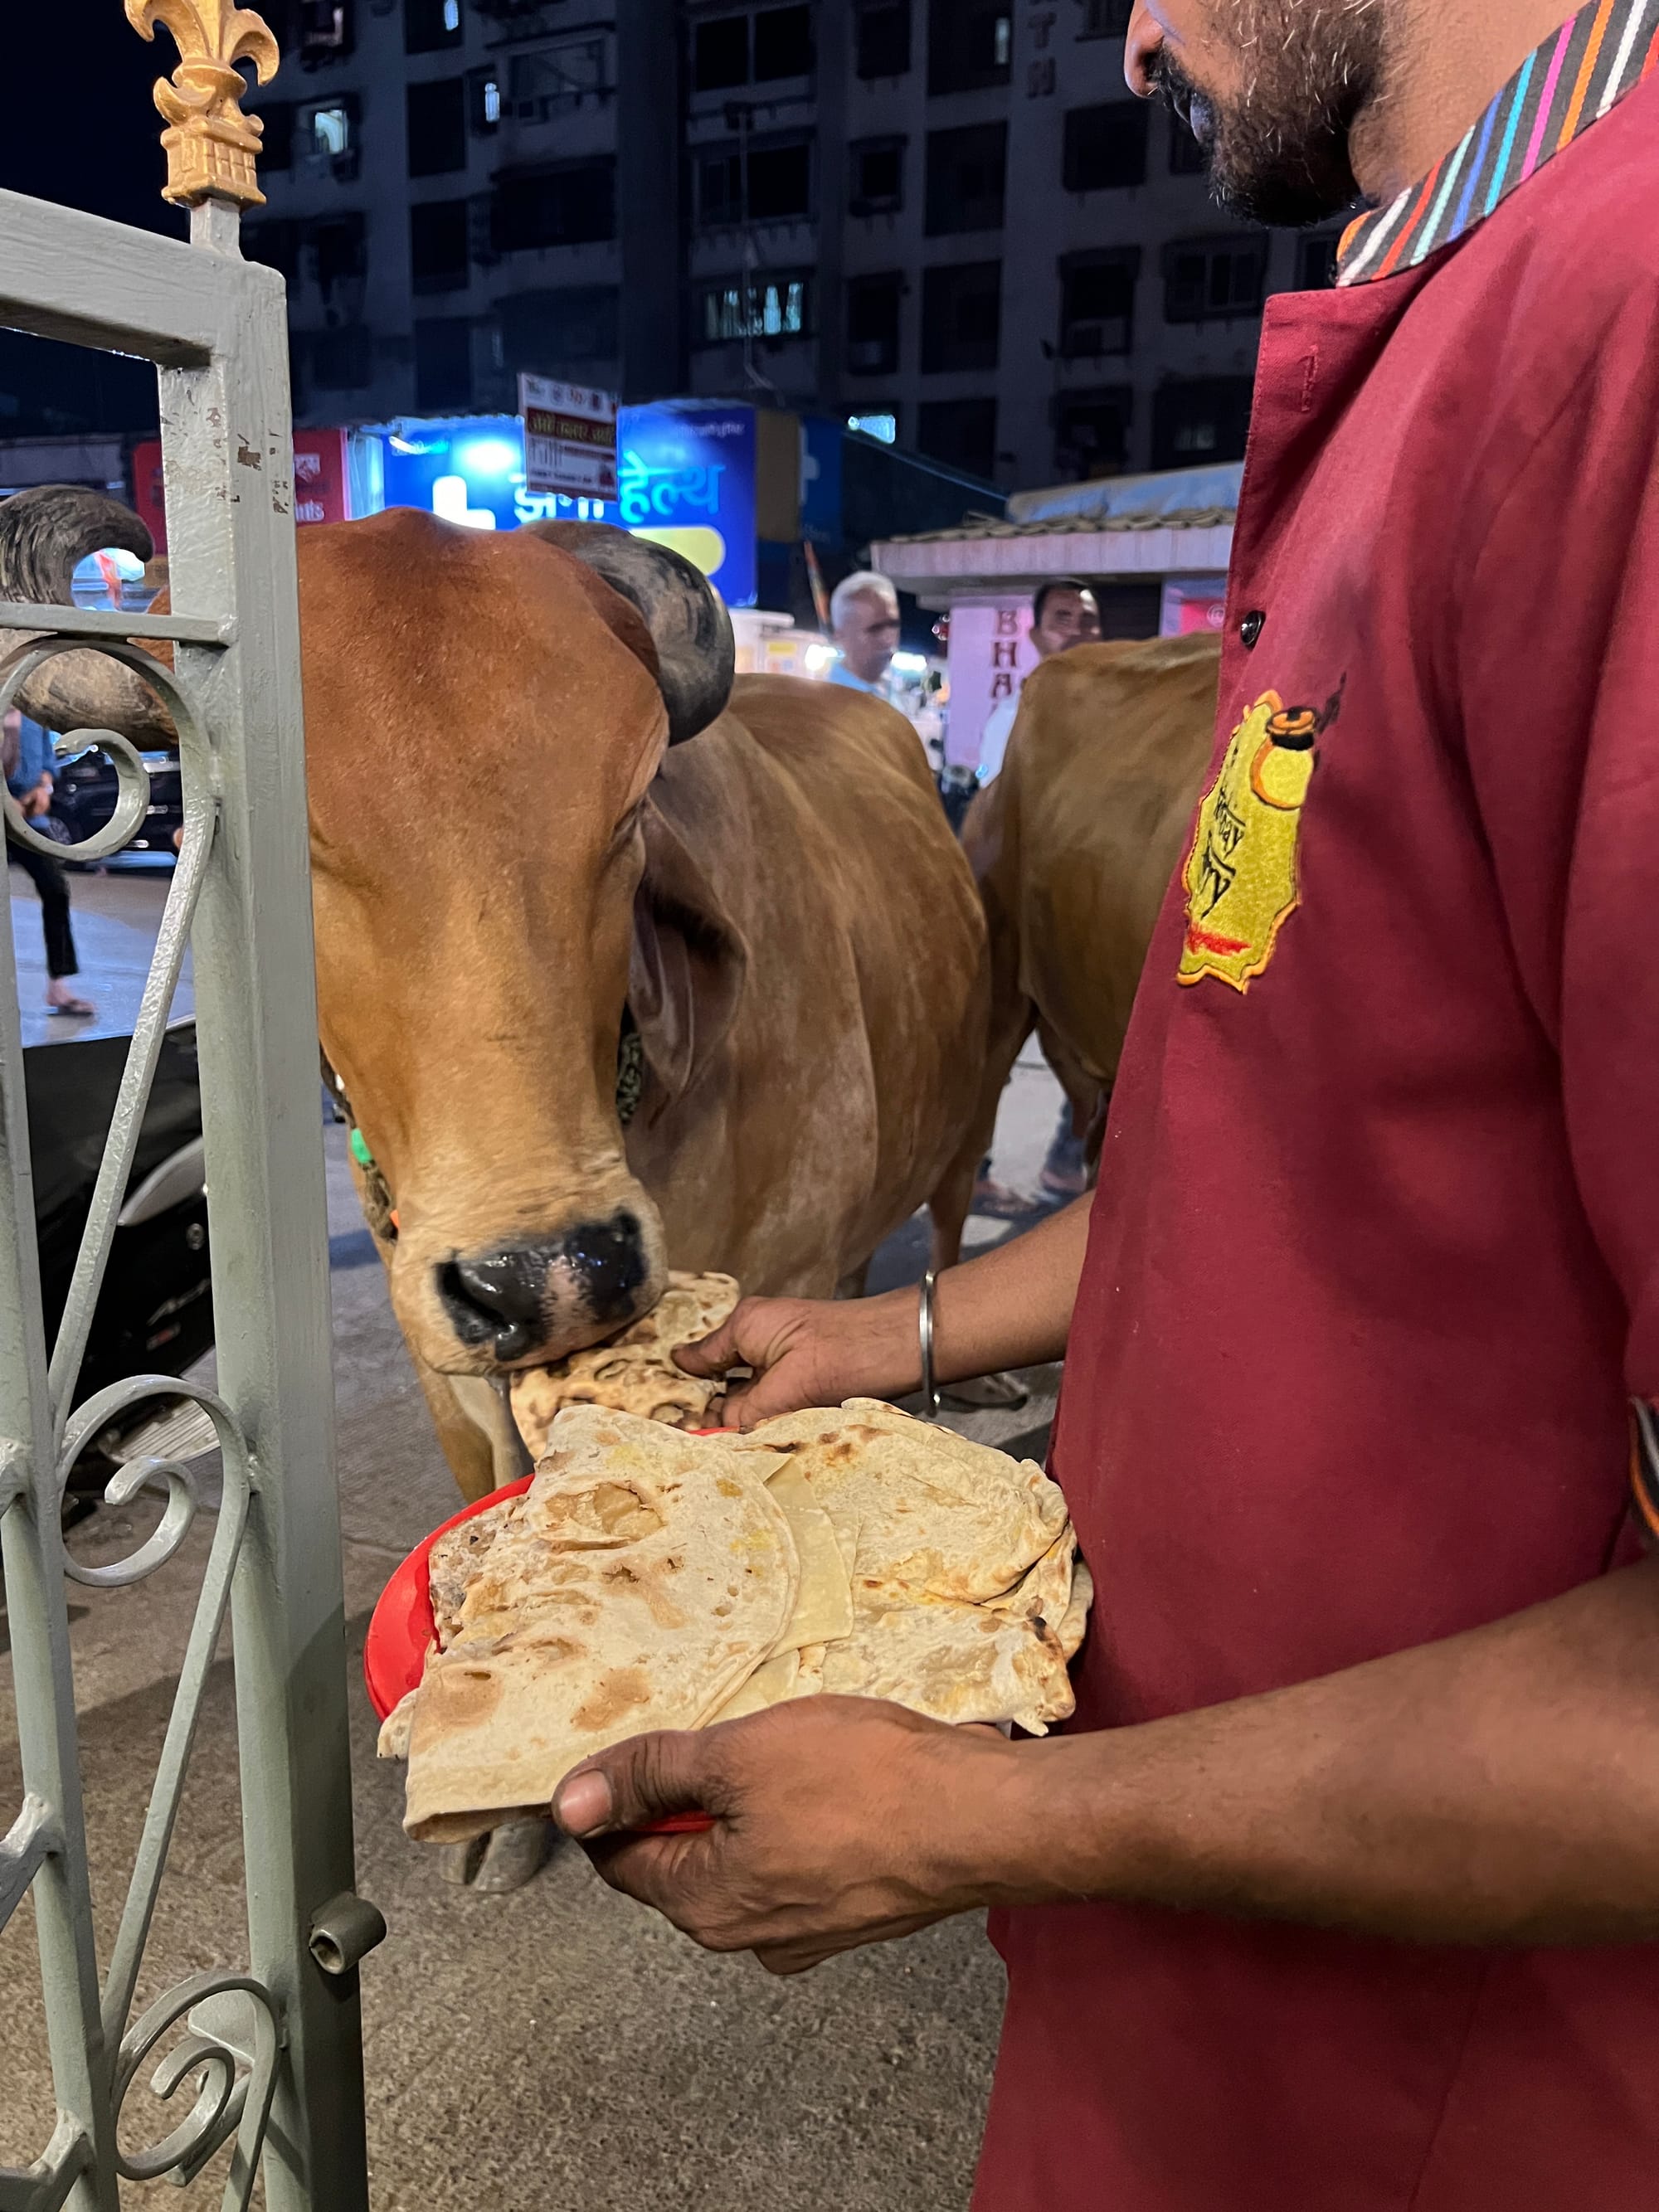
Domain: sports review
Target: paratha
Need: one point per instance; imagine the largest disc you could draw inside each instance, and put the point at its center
(644, 1578)
(919, 1508)
(455, 1558)
(953, 1662)
(634, 1372)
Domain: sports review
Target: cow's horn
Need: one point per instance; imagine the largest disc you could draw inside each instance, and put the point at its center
(689, 625)
(44, 532)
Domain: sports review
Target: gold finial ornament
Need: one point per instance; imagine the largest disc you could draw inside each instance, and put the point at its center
(211, 146)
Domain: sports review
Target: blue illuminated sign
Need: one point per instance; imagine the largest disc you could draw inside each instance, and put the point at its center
(685, 478)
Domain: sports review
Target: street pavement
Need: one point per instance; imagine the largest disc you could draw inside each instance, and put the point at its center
(557, 2047)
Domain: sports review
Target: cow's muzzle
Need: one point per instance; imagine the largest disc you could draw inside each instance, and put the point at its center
(511, 1303)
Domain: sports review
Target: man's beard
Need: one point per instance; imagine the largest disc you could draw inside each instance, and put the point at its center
(1279, 153)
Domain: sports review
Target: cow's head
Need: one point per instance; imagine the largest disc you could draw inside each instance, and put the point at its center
(496, 896)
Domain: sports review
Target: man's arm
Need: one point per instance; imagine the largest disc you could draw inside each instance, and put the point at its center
(1011, 1308)
(1502, 1787)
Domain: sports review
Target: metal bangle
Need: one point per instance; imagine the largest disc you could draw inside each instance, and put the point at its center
(925, 1335)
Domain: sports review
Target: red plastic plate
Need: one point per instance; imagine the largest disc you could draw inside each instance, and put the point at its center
(402, 1629)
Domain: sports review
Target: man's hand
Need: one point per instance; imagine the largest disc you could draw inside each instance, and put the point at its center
(38, 801)
(838, 1821)
(808, 1351)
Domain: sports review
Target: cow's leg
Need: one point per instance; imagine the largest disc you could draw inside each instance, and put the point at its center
(948, 1206)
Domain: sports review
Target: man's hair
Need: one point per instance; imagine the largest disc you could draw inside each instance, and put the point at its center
(854, 586)
(1046, 592)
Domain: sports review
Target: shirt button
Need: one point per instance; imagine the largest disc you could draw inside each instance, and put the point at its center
(1251, 628)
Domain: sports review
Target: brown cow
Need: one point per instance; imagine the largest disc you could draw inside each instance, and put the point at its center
(1073, 846)
(510, 865)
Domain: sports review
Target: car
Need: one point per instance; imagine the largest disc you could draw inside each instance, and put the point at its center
(155, 1309)
(84, 799)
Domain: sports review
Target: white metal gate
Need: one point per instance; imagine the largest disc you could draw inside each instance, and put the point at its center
(273, 2052)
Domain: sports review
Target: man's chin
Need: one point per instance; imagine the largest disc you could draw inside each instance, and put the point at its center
(1282, 197)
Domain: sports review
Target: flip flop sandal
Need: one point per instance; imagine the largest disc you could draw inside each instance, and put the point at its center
(79, 1007)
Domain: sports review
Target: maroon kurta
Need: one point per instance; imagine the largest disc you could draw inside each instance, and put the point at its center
(1374, 1268)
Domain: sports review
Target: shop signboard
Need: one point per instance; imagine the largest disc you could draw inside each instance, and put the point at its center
(991, 655)
(319, 481)
(569, 437)
(1195, 606)
(685, 478)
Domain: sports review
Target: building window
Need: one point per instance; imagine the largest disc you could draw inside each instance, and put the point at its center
(322, 33)
(877, 177)
(1198, 420)
(962, 316)
(1105, 147)
(438, 257)
(342, 360)
(1187, 157)
(881, 34)
(783, 43)
(872, 324)
(570, 333)
(431, 24)
(779, 183)
(965, 173)
(1210, 280)
(483, 101)
(734, 49)
(778, 186)
(437, 126)
(961, 433)
(970, 45)
(1315, 261)
(339, 251)
(777, 305)
(276, 243)
(443, 364)
(559, 79)
(1092, 433)
(1098, 302)
(572, 204)
(1105, 19)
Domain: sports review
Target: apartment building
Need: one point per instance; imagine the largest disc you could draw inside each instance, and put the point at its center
(945, 217)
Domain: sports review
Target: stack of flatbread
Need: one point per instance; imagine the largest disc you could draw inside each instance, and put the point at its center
(652, 1580)
(634, 1372)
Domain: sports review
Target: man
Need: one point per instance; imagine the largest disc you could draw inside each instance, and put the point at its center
(29, 757)
(864, 621)
(1341, 1893)
(1063, 614)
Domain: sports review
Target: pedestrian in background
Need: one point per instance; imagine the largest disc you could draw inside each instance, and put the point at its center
(1064, 613)
(864, 621)
(28, 759)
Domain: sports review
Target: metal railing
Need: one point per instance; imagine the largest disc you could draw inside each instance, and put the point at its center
(272, 2050)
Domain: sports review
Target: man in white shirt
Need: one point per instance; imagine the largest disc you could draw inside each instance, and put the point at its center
(864, 621)
(1063, 614)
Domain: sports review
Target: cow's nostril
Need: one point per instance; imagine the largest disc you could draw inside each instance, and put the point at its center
(497, 1300)
(509, 1301)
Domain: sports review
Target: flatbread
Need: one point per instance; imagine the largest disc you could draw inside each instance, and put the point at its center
(635, 1373)
(645, 1577)
(1045, 1592)
(921, 1511)
(954, 1663)
(823, 1606)
(772, 1681)
(455, 1558)
(1070, 1629)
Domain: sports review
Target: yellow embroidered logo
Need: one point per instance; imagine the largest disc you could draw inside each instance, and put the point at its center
(1240, 875)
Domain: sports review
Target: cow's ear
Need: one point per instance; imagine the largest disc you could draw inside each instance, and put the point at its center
(686, 974)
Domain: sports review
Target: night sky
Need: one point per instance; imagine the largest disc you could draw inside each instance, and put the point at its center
(80, 129)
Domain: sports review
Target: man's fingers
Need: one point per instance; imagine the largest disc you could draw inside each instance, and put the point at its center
(712, 1355)
(633, 1783)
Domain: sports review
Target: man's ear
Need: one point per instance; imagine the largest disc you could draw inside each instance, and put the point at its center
(686, 974)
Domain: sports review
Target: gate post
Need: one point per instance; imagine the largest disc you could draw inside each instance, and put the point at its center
(227, 459)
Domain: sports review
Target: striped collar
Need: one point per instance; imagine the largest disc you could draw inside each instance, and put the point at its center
(1575, 77)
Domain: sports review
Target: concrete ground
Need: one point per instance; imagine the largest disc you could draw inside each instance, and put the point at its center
(561, 2046)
